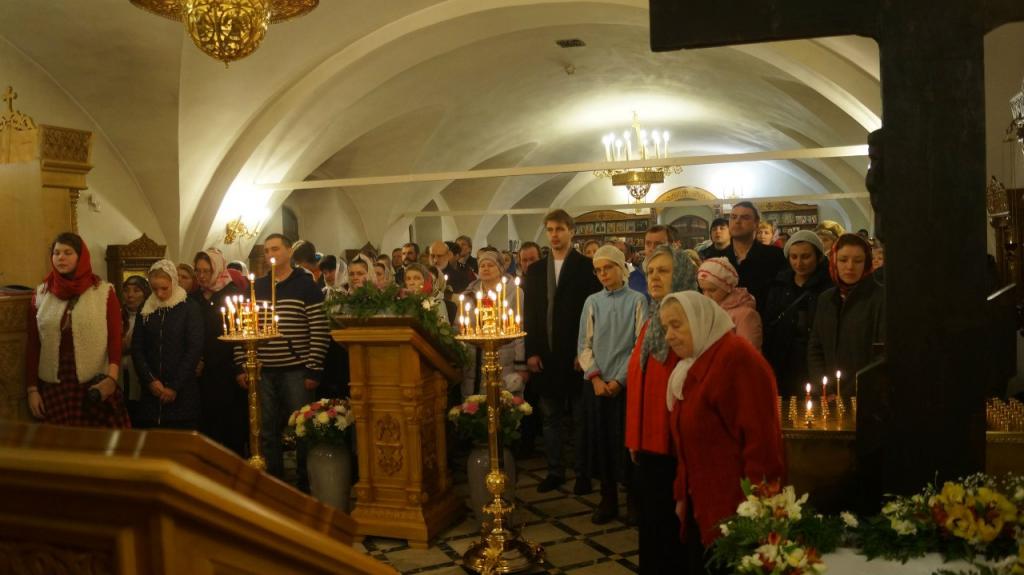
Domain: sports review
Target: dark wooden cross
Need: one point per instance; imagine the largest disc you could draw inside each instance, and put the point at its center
(930, 199)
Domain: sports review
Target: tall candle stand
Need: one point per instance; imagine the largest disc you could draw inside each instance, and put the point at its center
(501, 549)
(245, 322)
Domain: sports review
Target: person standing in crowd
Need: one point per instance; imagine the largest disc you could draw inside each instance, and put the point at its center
(223, 406)
(877, 256)
(610, 322)
(466, 259)
(73, 352)
(187, 279)
(720, 240)
(717, 279)
(725, 423)
(556, 288)
(410, 255)
(647, 417)
(789, 311)
(756, 263)
(135, 290)
(305, 256)
(382, 275)
(166, 350)
(396, 259)
(512, 356)
(239, 273)
(850, 317)
(829, 231)
(783, 237)
(864, 234)
(359, 270)
(766, 233)
(590, 248)
(419, 280)
(441, 258)
(292, 364)
(508, 263)
(529, 253)
(328, 267)
(656, 236)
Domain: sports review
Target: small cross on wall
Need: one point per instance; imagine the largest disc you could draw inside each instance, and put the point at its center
(10, 96)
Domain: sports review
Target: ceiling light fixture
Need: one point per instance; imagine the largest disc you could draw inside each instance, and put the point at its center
(227, 30)
(649, 145)
(1016, 128)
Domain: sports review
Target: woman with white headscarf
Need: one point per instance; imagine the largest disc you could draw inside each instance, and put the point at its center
(725, 421)
(165, 350)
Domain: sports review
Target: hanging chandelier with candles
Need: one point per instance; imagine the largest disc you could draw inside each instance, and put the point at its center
(649, 145)
(227, 30)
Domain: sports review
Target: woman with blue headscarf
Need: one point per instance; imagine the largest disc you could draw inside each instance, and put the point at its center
(668, 269)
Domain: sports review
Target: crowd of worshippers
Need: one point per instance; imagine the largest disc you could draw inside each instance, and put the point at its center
(656, 371)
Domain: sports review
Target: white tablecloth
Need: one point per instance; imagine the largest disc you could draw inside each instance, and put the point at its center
(848, 562)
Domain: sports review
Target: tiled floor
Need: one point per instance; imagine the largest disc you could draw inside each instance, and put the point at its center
(558, 520)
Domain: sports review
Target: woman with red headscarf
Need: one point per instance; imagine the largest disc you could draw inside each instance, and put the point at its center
(850, 317)
(74, 343)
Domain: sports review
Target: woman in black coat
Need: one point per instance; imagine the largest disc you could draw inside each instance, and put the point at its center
(223, 416)
(165, 350)
(850, 317)
(790, 309)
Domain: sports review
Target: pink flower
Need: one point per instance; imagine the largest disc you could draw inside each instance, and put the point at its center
(470, 408)
(517, 400)
(310, 414)
(331, 412)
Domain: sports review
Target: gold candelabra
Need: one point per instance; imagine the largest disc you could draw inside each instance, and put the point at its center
(245, 322)
(501, 549)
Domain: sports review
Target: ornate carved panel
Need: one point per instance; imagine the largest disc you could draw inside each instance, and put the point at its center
(65, 145)
(389, 448)
(42, 559)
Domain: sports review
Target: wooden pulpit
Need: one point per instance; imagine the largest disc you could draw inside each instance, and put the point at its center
(399, 386)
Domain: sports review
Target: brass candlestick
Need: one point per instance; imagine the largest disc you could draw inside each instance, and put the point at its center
(247, 327)
(500, 549)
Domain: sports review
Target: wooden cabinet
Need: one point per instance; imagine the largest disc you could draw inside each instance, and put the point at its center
(605, 225)
(789, 217)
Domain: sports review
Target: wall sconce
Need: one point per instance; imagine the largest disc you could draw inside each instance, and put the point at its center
(236, 229)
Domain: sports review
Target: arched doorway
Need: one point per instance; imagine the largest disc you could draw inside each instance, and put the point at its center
(692, 224)
(691, 230)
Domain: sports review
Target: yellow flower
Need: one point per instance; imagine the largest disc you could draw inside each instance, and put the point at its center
(997, 512)
(291, 419)
(960, 523)
(323, 418)
(300, 429)
(304, 409)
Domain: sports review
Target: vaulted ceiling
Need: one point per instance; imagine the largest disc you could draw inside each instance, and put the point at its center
(366, 88)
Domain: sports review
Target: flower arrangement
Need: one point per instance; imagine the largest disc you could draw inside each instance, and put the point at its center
(774, 533)
(323, 421)
(368, 301)
(470, 417)
(976, 517)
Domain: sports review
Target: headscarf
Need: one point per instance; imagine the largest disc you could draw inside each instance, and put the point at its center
(219, 277)
(141, 283)
(178, 294)
(192, 273)
(614, 255)
(804, 236)
(492, 256)
(833, 266)
(81, 279)
(708, 323)
(720, 273)
(428, 278)
(389, 273)
(684, 278)
(371, 281)
(239, 279)
(340, 277)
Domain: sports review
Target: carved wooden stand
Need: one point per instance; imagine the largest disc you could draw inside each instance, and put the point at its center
(399, 386)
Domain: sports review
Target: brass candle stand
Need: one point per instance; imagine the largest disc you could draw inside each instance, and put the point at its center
(500, 549)
(244, 322)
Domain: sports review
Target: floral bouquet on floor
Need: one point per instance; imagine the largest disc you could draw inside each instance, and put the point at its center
(324, 421)
(774, 533)
(977, 517)
(470, 417)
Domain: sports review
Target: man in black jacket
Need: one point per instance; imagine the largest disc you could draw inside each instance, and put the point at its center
(756, 263)
(556, 288)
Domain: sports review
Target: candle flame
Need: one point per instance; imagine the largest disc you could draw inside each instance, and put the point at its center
(808, 388)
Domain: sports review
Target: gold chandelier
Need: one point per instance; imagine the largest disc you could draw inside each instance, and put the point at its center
(653, 145)
(227, 30)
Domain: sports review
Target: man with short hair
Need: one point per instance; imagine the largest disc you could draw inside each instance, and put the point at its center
(529, 253)
(396, 259)
(756, 263)
(410, 255)
(466, 259)
(658, 235)
(556, 288)
(720, 239)
(292, 365)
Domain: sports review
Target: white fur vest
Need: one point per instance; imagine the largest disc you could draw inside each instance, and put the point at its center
(88, 327)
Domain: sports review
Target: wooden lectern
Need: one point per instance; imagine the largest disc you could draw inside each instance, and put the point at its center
(399, 385)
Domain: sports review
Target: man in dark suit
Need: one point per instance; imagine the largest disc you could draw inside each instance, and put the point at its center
(556, 288)
(756, 263)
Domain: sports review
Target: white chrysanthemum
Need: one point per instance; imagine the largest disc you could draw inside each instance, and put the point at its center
(751, 563)
(849, 519)
(769, 552)
(724, 528)
(903, 527)
(426, 304)
(750, 508)
(341, 423)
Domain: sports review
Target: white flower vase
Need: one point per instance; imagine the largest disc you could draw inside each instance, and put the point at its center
(477, 467)
(330, 474)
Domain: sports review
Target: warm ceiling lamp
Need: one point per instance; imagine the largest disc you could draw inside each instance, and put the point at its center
(649, 145)
(227, 30)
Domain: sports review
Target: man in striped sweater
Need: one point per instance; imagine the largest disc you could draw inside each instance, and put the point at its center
(293, 364)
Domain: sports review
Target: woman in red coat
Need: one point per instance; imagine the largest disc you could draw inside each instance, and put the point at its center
(725, 423)
(667, 270)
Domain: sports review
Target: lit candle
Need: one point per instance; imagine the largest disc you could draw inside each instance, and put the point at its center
(809, 412)
(519, 322)
(808, 389)
(839, 383)
(824, 387)
(224, 320)
(273, 287)
(517, 298)
(462, 300)
(497, 304)
(266, 317)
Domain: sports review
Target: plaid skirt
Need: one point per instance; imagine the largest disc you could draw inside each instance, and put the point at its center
(69, 404)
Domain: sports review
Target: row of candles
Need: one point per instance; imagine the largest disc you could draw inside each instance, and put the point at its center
(243, 317)
(824, 412)
(492, 314)
(1004, 416)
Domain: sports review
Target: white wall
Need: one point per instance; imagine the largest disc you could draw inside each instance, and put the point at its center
(124, 213)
